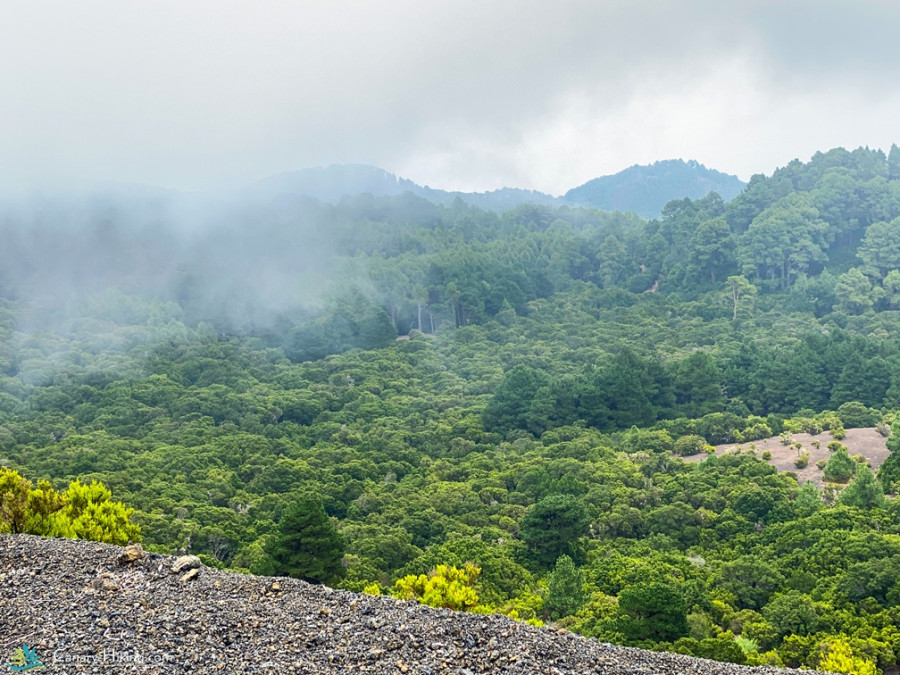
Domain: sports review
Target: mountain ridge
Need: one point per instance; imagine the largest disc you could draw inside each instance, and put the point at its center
(643, 189)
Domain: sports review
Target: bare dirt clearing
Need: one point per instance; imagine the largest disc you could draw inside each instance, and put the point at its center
(866, 442)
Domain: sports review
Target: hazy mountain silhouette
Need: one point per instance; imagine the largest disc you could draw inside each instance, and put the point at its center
(642, 189)
(647, 189)
(331, 183)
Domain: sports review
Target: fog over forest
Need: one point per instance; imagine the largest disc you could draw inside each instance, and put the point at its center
(233, 261)
(583, 314)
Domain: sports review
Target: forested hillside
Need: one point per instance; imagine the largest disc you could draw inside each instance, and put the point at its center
(486, 410)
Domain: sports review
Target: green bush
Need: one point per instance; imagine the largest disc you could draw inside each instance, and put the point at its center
(691, 444)
(855, 415)
(840, 468)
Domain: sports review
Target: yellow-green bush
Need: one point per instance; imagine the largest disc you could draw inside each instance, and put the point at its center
(83, 511)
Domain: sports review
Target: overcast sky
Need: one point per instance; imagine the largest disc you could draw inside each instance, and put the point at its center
(458, 94)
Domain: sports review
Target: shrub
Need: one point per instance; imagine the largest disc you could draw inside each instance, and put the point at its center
(838, 433)
(447, 586)
(840, 467)
(767, 455)
(786, 438)
(834, 446)
(854, 415)
(689, 445)
(840, 658)
(801, 461)
(652, 611)
(756, 432)
(84, 511)
(643, 440)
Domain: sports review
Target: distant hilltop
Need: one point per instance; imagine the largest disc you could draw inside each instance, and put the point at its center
(645, 190)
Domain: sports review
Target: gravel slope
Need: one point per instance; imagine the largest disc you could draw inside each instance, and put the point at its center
(85, 608)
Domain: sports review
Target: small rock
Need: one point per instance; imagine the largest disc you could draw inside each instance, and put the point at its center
(191, 574)
(130, 553)
(185, 562)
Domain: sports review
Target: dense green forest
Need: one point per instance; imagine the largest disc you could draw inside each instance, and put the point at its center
(510, 391)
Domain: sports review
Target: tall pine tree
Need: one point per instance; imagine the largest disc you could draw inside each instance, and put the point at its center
(307, 545)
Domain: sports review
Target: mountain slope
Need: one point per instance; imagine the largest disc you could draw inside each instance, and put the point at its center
(79, 603)
(647, 189)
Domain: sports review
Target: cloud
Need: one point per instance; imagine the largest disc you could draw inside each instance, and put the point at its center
(459, 94)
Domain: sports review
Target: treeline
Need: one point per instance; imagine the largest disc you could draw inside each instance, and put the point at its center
(825, 230)
(315, 278)
(821, 236)
(820, 371)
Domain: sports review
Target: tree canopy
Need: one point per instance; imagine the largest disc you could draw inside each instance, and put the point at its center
(521, 449)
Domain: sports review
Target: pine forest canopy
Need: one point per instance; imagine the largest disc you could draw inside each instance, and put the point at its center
(242, 387)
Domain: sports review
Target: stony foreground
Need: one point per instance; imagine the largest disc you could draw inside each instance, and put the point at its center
(92, 608)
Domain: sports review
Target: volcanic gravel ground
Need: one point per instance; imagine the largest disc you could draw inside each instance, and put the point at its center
(86, 608)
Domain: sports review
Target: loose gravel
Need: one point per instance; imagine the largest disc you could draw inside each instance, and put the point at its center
(94, 608)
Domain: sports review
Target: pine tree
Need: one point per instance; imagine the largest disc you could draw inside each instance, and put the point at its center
(864, 491)
(894, 162)
(840, 467)
(307, 545)
(553, 527)
(565, 589)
